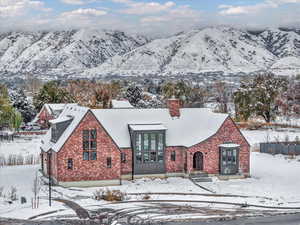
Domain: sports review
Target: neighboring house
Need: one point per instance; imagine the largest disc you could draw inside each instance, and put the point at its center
(121, 104)
(49, 112)
(91, 147)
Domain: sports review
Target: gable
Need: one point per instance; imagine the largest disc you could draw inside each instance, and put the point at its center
(77, 113)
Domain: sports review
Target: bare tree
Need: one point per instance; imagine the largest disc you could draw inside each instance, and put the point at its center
(36, 188)
(222, 96)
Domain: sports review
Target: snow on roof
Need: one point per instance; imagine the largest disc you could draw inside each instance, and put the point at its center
(193, 126)
(58, 107)
(120, 104)
(145, 127)
(74, 111)
(229, 145)
(61, 119)
(54, 109)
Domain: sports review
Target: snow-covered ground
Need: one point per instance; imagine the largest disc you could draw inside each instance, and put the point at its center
(255, 137)
(23, 145)
(274, 177)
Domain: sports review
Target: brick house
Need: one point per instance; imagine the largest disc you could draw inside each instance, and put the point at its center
(94, 147)
(49, 112)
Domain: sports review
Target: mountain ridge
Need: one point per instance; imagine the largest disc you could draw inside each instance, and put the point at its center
(91, 53)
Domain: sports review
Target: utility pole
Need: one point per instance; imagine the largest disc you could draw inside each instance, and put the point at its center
(49, 175)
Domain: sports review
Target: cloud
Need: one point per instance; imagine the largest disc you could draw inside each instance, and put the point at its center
(13, 8)
(251, 9)
(77, 2)
(142, 8)
(84, 12)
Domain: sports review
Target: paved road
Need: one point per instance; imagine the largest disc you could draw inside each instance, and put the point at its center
(274, 220)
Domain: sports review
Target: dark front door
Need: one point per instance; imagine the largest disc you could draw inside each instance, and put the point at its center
(198, 161)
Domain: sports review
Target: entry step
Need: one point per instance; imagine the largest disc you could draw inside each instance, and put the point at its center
(202, 179)
(196, 175)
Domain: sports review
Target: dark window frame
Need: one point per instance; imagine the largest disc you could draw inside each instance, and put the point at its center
(173, 156)
(108, 162)
(70, 164)
(145, 152)
(123, 157)
(89, 144)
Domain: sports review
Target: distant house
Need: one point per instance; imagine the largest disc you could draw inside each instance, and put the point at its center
(121, 104)
(49, 112)
(94, 147)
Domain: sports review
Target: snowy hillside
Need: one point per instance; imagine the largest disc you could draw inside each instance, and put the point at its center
(63, 51)
(211, 49)
(90, 53)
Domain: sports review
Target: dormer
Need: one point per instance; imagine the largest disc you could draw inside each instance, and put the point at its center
(58, 126)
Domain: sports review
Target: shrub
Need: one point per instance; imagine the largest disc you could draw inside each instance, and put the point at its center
(12, 195)
(146, 197)
(109, 195)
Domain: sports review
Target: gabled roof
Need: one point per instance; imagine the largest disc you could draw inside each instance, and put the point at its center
(70, 111)
(192, 127)
(54, 109)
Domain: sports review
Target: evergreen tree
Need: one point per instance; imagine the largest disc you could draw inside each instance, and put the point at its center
(21, 103)
(134, 95)
(51, 92)
(258, 96)
(9, 116)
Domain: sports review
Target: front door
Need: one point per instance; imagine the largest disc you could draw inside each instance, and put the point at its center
(198, 161)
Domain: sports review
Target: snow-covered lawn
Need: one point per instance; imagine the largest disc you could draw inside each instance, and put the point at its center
(274, 177)
(27, 147)
(255, 137)
(23, 145)
(20, 177)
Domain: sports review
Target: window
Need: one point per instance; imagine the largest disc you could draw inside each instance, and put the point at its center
(89, 144)
(89, 139)
(108, 162)
(86, 156)
(93, 155)
(146, 141)
(149, 147)
(173, 156)
(123, 157)
(70, 164)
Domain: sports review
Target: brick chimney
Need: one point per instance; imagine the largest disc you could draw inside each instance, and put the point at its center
(174, 107)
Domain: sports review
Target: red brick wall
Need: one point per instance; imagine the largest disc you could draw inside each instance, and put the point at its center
(126, 168)
(90, 169)
(209, 148)
(178, 165)
(53, 163)
(174, 107)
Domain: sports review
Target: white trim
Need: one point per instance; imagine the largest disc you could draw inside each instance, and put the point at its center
(229, 145)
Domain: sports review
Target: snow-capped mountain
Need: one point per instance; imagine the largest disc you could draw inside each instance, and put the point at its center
(211, 49)
(90, 53)
(63, 51)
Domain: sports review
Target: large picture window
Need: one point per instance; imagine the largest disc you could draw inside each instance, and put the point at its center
(149, 147)
(89, 144)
